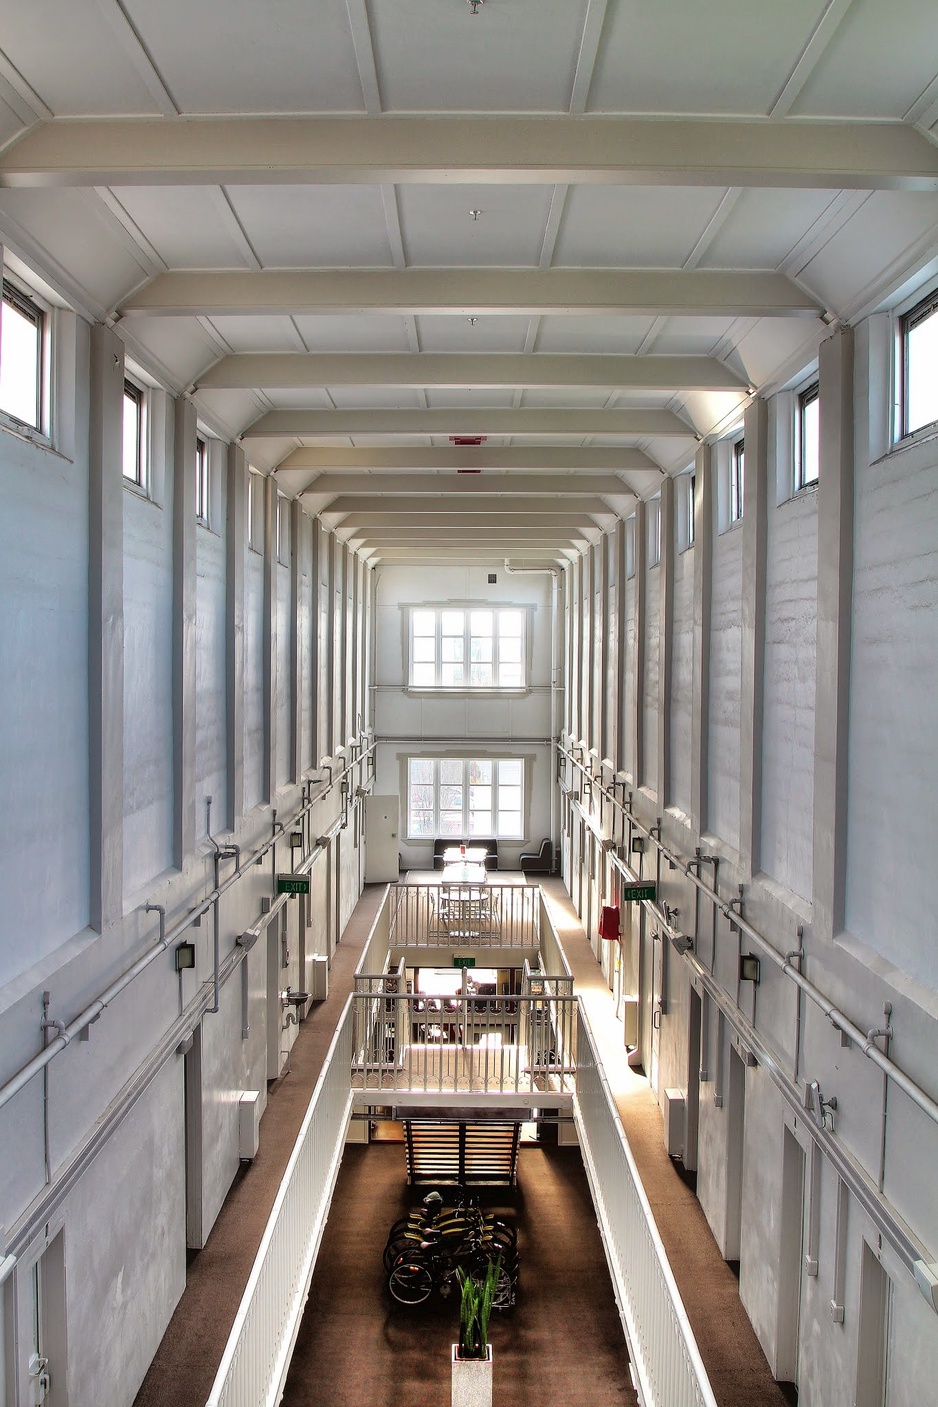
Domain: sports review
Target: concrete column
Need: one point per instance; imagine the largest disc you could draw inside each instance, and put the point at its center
(106, 627)
(703, 586)
(356, 709)
(752, 662)
(637, 662)
(270, 639)
(184, 625)
(235, 547)
(327, 674)
(617, 661)
(298, 531)
(665, 640)
(834, 604)
(601, 663)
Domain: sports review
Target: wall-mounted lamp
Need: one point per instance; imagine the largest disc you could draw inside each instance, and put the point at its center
(637, 844)
(296, 840)
(821, 1110)
(184, 956)
(749, 968)
(682, 942)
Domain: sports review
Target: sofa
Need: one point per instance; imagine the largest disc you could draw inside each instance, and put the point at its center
(477, 843)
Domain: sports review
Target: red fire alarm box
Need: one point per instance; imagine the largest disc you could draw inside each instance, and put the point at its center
(609, 923)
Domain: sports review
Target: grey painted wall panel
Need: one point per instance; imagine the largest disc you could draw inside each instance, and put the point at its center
(253, 679)
(725, 649)
(648, 685)
(682, 681)
(211, 665)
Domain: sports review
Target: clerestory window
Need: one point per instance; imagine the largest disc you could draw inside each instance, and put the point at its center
(467, 647)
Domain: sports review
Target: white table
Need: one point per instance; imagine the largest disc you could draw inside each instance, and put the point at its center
(473, 855)
(463, 872)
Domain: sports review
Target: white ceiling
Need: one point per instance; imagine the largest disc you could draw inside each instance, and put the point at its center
(847, 244)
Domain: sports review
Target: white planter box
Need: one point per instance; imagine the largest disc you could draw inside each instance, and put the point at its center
(472, 1380)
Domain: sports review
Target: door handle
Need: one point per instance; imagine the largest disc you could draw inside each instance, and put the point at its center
(656, 1018)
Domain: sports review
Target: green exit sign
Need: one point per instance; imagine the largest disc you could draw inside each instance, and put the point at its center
(635, 893)
(464, 962)
(293, 884)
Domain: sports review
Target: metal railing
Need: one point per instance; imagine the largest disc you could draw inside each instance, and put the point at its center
(254, 1365)
(469, 915)
(661, 1342)
(480, 1044)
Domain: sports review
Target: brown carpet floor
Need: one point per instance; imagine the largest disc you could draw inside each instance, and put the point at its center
(184, 1368)
(561, 1345)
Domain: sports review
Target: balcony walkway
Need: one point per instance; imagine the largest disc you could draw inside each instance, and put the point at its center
(183, 1370)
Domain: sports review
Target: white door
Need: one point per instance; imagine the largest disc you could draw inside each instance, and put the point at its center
(382, 828)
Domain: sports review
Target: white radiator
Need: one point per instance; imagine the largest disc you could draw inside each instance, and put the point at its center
(673, 1110)
(249, 1125)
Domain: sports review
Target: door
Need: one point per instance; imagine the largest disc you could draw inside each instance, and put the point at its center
(382, 830)
(692, 1103)
(791, 1260)
(735, 1135)
(195, 1239)
(276, 983)
(41, 1338)
(657, 1005)
(873, 1345)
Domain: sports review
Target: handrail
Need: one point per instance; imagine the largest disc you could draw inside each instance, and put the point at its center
(254, 1364)
(649, 1300)
(167, 941)
(838, 1018)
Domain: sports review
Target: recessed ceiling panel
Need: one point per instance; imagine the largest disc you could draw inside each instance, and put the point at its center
(882, 57)
(714, 410)
(887, 225)
(296, 227)
(76, 231)
(470, 397)
(185, 224)
(377, 397)
(257, 334)
(459, 334)
(614, 334)
(181, 344)
(691, 336)
(765, 225)
(343, 333)
(279, 56)
(643, 227)
(302, 398)
(514, 55)
(671, 56)
(233, 410)
(71, 57)
(559, 397)
(768, 346)
(440, 230)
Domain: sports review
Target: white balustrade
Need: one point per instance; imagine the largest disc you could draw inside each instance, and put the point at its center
(254, 1365)
(471, 915)
(664, 1351)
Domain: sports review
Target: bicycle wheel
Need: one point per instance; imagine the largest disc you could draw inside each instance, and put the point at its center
(410, 1283)
(504, 1296)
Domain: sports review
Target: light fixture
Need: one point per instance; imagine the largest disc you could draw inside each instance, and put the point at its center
(184, 956)
(474, 5)
(296, 840)
(475, 214)
(749, 968)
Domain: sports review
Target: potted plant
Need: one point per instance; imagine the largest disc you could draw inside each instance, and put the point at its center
(472, 1356)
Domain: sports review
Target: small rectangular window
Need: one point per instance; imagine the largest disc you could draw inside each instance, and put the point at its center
(920, 366)
(201, 482)
(255, 512)
(630, 547)
(134, 460)
(691, 499)
(654, 531)
(22, 328)
(283, 530)
(807, 468)
(737, 481)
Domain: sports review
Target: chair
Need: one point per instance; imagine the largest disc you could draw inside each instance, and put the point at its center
(538, 861)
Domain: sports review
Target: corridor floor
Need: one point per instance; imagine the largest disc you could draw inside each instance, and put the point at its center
(561, 1345)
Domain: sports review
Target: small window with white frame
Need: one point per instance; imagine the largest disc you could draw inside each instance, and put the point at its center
(737, 481)
(686, 485)
(808, 438)
(653, 525)
(630, 547)
(255, 511)
(919, 366)
(23, 332)
(465, 797)
(202, 483)
(468, 647)
(134, 459)
(283, 530)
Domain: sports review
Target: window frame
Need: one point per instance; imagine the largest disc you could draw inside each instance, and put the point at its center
(466, 832)
(922, 311)
(251, 514)
(737, 481)
(31, 306)
(203, 483)
(653, 531)
(139, 481)
(808, 395)
(282, 545)
(685, 493)
(466, 686)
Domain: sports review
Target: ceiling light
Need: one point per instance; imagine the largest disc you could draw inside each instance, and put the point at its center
(474, 5)
(475, 214)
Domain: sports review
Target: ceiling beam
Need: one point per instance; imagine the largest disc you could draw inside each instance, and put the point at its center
(469, 486)
(374, 520)
(435, 149)
(333, 424)
(450, 458)
(473, 292)
(504, 539)
(405, 508)
(295, 370)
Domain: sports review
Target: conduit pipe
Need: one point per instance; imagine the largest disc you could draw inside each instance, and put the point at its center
(838, 1019)
(91, 1012)
(554, 574)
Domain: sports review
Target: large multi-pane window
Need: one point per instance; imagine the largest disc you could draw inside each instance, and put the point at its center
(920, 366)
(22, 323)
(465, 797)
(467, 648)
